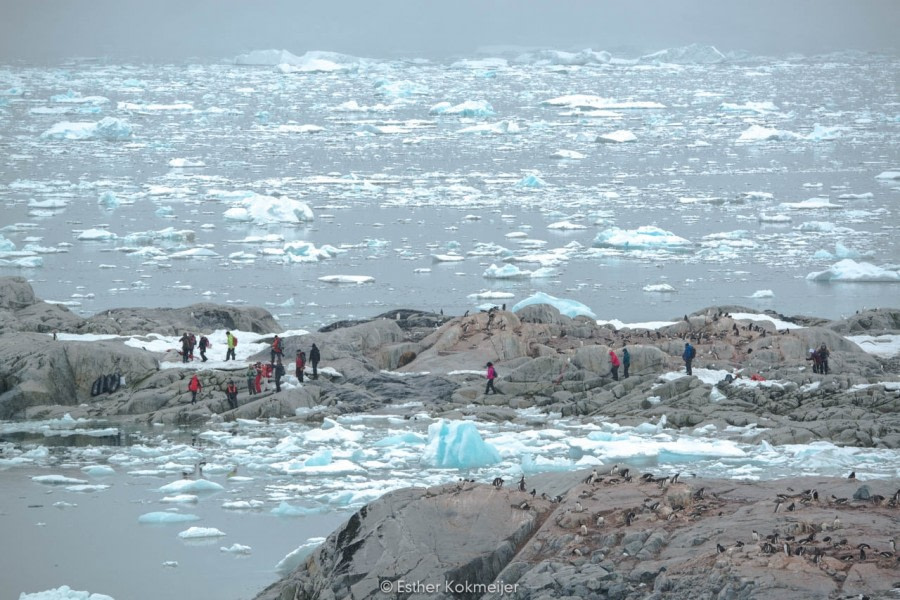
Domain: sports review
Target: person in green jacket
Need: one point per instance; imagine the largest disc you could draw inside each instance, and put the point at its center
(232, 342)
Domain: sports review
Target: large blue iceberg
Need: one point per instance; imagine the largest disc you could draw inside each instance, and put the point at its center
(458, 445)
(569, 308)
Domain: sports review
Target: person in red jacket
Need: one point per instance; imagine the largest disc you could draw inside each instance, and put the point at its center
(300, 364)
(195, 387)
(259, 377)
(231, 393)
(491, 376)
(614, 364)
(277, 349)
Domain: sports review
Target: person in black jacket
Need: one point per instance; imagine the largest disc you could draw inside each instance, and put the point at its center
(279, 373)
(314, 360)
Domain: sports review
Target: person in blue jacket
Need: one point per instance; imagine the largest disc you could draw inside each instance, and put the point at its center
(688, 356)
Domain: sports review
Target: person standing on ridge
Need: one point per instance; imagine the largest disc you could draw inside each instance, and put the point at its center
(626, 362)
(614, 365)
(277, 351)
(300, 364)
(251, 376)
(195, 388)
(688, 356)
(204, 344)
(185, 347)
(491, 376)
(232, 342)
(231, 394)
(314, 358)
(823, 359)
(279, 373)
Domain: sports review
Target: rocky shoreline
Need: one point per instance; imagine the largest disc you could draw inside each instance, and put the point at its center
(615, 538)
(547, 361)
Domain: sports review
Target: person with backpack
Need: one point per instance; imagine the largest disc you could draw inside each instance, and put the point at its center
(259, 377)
(491, 376)
(823, 359)
(314, 358)
(277, 350)
(626, 362)
(300, 364)
(193, 344)
(614, 365)
(688, 356)
(279, 373)
(195, 388)
(185, 347)
(204, 344)
(231, 341)
(251, 376)
(231, 393)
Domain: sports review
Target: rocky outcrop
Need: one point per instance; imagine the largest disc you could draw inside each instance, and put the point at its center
(36, 370)
(624, 537)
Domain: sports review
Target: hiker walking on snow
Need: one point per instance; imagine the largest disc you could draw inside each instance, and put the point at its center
(626, 361)
(204, 344)
(195, 387)
(491, 376)
(277, 351)
(823, 359)
(300, 364)
(314, 360)
(688, 356)
(614, 365)
(231, 341)
(193, 340)
(185, 347)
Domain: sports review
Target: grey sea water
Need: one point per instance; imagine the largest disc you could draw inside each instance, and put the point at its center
(392, 181)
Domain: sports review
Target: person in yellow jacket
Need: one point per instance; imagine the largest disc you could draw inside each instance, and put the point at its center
(232, 342)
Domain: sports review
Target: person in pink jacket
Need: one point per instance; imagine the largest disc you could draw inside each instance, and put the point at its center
(491, 376)
(614, 364)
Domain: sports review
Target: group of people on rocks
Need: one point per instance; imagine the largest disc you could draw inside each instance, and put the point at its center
(819, 358)
(255, 372)
(615, 363)
(189, 342)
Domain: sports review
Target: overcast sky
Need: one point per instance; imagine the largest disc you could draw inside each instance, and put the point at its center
(178, 30)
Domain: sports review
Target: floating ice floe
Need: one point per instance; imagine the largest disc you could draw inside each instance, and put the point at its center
(567, 155)
(180, 499)
(812, 203)
(499, 128)
(491, 295)
(642, 238)
(347, 279)
(763, 294)
(616, 137)
(565, 225)
(56, 479)
(758, 133)
(447, 258)
(190, 485)
(164, 517)
(531, 181)
(469, 108)
(200, 532)
(151, 108)
(513, 272)
(768, 218)
(236, 549)
(692, 54)
(457, 445)
(308, 128)
(109, 128)
(752, 107)
(98, 470)
(850, 271)
(96, 235)
(73, 97)
(186, 163)
(63, 593)
(569, 308)
(585, 101)
(264, 210)
(289, 510)
(243, 504)
(664, 288)
(888, 175)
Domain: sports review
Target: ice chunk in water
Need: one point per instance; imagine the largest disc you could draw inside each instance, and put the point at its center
(162, 517)
(570, 308)
(200, 532)
(63, 593)
(458, 445)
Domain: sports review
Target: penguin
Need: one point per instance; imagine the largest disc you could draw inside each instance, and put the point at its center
(578, 507)
(533, 492)
(601, 521)
(584, 530)
(629, 518)
(522, 484)
(852, 475)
